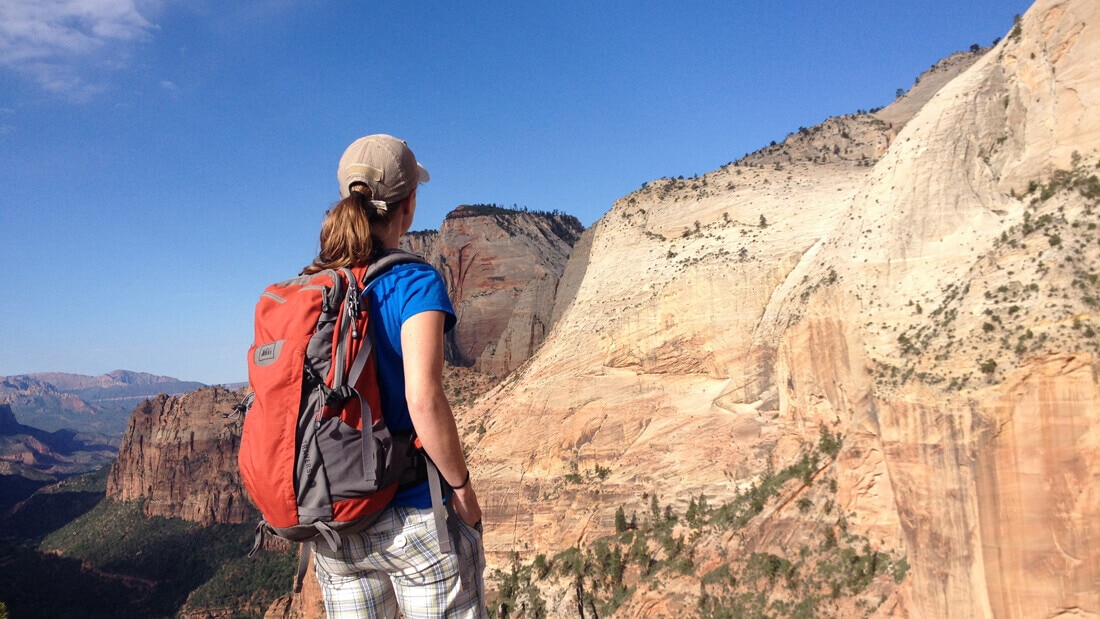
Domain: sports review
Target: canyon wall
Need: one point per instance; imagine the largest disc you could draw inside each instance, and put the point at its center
(179, 455)
(502, 268)
(930, 297)
(919, 282)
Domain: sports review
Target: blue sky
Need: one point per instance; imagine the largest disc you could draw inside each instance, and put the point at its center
(161, 161)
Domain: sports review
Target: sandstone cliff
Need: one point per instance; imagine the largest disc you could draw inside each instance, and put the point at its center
(179, 454)
(502, 268)
(930, 297)
(886, 322)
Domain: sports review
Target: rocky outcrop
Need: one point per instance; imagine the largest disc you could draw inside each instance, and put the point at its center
(306, 604)
(8, 421)
(933, 303)
(501, 267)
(179, 454)
(863, 138)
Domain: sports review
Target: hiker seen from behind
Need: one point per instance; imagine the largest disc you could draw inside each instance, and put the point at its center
(420, 555)
(397, 562)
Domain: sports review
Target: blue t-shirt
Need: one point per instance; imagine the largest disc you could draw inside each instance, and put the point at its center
(395, 296)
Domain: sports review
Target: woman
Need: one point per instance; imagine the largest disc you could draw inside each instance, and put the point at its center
(397, 562)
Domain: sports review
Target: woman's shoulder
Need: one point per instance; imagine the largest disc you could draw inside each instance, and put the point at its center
(396, 259)
(410, 281)
(408, 289)
(411, 274)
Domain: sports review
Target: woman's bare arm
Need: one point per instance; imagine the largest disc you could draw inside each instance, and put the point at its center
(422, 347)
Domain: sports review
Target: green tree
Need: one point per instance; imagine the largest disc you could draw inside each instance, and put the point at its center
(620, 520)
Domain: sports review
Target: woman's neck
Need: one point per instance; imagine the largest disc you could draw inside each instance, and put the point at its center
(398, 225)
(390, 237)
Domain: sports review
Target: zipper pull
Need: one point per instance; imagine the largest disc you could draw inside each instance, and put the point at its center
(353, 309)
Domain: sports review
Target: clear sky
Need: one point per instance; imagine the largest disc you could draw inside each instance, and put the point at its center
(161, 161)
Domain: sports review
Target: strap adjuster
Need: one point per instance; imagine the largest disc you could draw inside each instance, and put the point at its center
(337, 397)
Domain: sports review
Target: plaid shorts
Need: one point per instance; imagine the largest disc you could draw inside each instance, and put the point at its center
(397, 563)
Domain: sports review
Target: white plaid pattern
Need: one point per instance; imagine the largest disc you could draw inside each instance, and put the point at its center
(396, 563)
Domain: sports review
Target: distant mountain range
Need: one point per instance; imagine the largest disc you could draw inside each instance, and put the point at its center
(55, 400)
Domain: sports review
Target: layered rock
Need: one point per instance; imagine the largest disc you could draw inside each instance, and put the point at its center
(38, 403)
(936, 309)
(179, 454)
(115, 380)
(501, 267)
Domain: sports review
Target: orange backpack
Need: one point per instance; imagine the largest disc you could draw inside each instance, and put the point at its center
(308, 461)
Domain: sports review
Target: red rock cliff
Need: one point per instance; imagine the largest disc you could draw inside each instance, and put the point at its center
(180, 454)
(502, 268)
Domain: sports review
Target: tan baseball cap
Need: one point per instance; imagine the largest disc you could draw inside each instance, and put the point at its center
(385, 164)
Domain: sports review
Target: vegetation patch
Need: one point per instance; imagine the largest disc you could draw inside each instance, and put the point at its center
(597, 580)
(113, 561)
(1039, 289)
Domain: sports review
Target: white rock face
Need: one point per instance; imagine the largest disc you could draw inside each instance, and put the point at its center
(723, 321)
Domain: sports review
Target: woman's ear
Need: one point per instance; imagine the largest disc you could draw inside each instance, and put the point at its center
(408, 211)
(409, 203)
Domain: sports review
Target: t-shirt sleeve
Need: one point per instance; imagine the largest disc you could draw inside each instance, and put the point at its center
(425, 291)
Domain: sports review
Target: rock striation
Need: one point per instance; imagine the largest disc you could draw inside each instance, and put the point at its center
(37, 402)
(56, 400)
(930, 297)
(912, 292)
(502, 268)
(179, 454)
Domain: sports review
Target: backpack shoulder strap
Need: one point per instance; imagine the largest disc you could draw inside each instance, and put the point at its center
(379, 267)
(389, 259)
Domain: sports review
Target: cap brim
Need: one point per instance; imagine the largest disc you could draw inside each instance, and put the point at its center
(423, 172)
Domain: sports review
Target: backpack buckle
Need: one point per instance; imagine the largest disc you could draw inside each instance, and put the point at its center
(337, 397)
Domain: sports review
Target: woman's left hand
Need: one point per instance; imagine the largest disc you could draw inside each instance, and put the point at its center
(466, 505)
